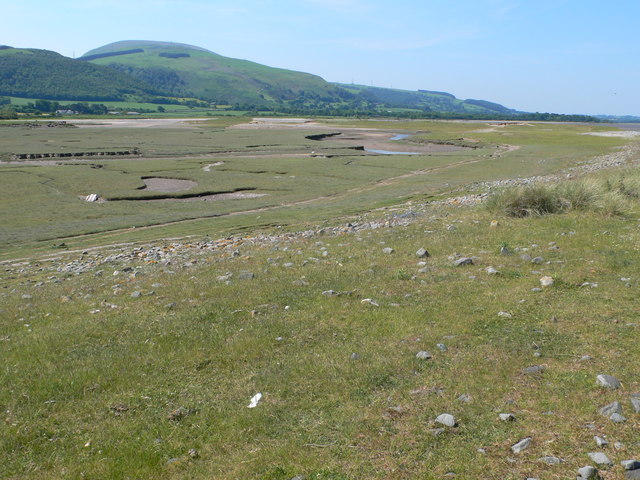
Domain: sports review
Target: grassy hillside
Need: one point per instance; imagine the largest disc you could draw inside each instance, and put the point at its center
(44, 74)
(186, 70)
(427, 101)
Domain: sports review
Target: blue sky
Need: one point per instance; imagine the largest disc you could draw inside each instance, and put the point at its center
(566, 56)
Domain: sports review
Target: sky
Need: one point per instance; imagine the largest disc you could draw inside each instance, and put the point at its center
(563, 56)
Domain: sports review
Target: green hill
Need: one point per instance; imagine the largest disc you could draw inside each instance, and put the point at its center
(425, 100)
(34, 73)
(185, 70)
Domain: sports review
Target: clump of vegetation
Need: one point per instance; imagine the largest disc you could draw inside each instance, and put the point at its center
(609, 196)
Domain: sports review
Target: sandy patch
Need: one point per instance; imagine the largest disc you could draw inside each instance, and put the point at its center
(168, 185)
(266, 123)
(136, 122)
(381, 142)
(614, 133)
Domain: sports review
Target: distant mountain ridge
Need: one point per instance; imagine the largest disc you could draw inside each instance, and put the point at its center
(152, 70)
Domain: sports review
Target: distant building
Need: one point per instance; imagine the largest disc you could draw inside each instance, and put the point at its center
(133, 113)
(66, 112)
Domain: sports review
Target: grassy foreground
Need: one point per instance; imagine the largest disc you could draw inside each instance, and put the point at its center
(97, 383)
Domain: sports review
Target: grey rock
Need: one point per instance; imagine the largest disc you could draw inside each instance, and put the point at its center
(632, 475)
(246, 276)
(464, 398)
(521, 445)
(534, 369)
(355, 356)
(536, 289)
(330, 293)
(618, 445)
(635, 402)
(423, 355)
(537, 260)
(422, 253)
(437, 431)
(630, 464)
(610, 409)
(507, 417)
(442, 347)
(588, 473)
(388, 250)
(447, 420)
(136, 294)
(609, 381)
(463, 261)
(601, 442)
(617, 418)
(600, 458)
(526, 258)
(505, 251)
(549, 460)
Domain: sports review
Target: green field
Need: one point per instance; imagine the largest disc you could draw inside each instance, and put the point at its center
(133, 353)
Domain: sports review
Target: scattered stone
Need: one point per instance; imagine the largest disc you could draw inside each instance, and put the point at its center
(193, 453)
(585, 358)
(534, 369)
(635, 402)
(388, 250)
(601, 442)
(549, 460)
(632, 475)
(600, 458)
(536, 289)
(224, 278)
(630, 464)
(136, 294)
(537, 260)
(505, 314)
(370, 302)
(330, 293)
(618, 445)
(610, 409)
(355, 356)
(521, 445)
(464, 398)
(617, 418)
(447, 420)
(507, 417)
(608, 381)
(179, 413)
(423, 355)
(422, 253)
(525, 258)
(442, 347)
(463, 261)
(492, 271)
(437, 431)
(588, 473)
(546, 281)
(246, 276)
(504, 250)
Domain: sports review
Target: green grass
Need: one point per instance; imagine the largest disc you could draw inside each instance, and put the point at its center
(41, 205)
(324, 414)
(91, 374)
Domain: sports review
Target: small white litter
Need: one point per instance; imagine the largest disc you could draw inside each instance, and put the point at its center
(255, 400)
(93, 197)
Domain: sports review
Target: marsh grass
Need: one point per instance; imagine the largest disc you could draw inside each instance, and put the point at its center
(608, 194)
(325, 414)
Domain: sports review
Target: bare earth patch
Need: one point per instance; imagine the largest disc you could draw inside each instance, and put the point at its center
(168, 185)
(136, 123)
(614, 133)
